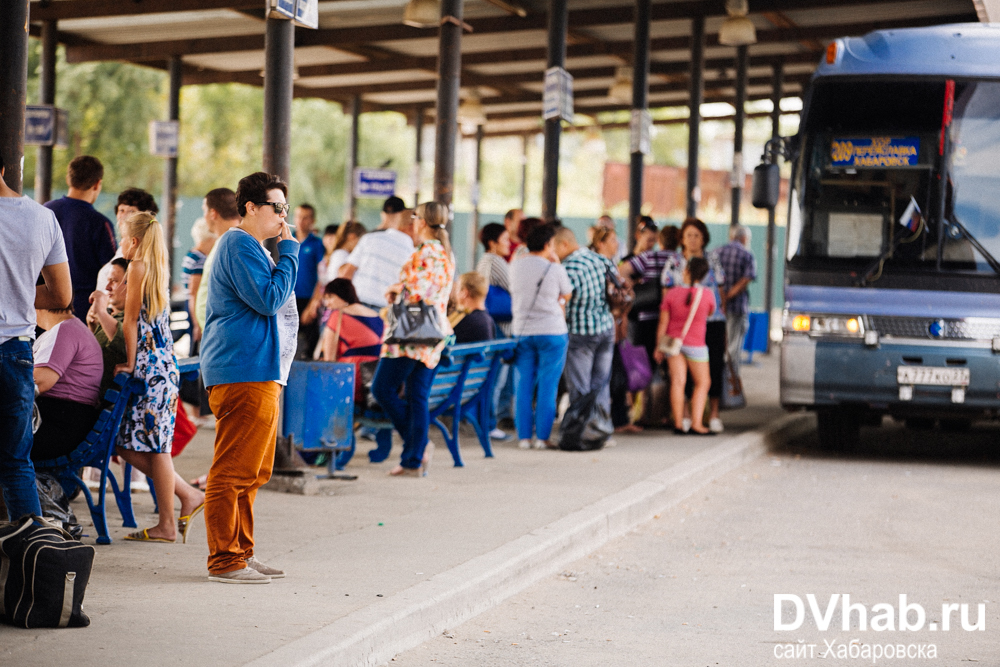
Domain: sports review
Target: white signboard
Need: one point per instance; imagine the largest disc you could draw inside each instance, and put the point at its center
(558, 97)
(639, 127)
(307, 13)
(163, 137)
(281, 9)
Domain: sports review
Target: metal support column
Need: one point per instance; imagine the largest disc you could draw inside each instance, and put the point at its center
(170, 165)
(418, 155)
(694, 121)
(558, 24)
(13, 87)
(776, 89)
(524, 171)
(46, 95)
(449, 79)
(736, 180)
(279, 72)
(640, 102)
(476, 191)
(350, 201)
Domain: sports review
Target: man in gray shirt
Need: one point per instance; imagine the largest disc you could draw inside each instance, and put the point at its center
(31, 243)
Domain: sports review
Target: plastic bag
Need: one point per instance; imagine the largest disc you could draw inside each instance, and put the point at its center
(586, 426)
(55, 504)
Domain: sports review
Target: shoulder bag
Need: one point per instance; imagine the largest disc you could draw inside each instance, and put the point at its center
(414, 323)
(671, 347)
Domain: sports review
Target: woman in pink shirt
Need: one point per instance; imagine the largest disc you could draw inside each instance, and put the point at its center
(677, 321)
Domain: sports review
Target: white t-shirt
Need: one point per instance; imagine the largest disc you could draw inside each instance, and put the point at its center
(333, 263)
(30, 239)
(379, 256)
(541, 315)
(288, 330)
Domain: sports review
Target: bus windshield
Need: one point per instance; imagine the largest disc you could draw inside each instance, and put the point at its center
(867, 197)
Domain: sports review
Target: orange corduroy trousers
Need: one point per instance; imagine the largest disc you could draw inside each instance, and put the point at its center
(245, 430)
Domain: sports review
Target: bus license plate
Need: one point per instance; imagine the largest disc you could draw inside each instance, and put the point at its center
(950, 377)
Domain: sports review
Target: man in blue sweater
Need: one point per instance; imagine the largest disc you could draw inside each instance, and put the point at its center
(251, 327)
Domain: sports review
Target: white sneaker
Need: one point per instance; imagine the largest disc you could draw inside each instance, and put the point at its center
(245, 576)
(524, 444)
(542, 444)
(266, 570)
(715, 425)
(685, 424)
(498, 434)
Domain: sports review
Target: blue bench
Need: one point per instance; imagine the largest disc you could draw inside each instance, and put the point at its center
(95, 451)
(462, 389)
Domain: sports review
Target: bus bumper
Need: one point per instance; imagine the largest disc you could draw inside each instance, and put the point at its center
(820, 373)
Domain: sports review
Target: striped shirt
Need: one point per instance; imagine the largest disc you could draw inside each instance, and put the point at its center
(649, 265)
(587, 312)
(495, 270)
(378, 257)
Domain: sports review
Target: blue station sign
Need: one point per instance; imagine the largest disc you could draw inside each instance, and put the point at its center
(874, 152)
(39, 125)
(374, 183)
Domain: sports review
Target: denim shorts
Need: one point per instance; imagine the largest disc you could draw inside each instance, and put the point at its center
(695, 353)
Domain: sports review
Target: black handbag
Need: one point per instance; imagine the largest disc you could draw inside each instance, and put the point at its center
(43, 575)
(647, 296)
(414, 323)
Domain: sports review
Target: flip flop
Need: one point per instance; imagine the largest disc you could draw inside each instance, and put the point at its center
(143, 536)
(184, 522)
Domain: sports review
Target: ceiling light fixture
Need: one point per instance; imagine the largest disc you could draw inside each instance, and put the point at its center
(621, 89)
(737, 29)
(422, 13)
(471, 111)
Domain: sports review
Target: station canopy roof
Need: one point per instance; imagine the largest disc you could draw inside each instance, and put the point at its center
(363, 49)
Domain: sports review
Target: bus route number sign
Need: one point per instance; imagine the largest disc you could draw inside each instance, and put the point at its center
(874, 152)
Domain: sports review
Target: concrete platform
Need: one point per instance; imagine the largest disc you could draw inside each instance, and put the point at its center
(377, 565)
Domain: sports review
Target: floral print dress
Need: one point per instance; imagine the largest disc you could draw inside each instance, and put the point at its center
(428, 276)
(148, 424)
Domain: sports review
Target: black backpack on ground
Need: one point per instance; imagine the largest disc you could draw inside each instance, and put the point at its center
(586, 426)
(43, 575)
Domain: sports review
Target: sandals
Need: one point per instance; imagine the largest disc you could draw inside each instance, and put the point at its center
(144, 536)
(184, 522)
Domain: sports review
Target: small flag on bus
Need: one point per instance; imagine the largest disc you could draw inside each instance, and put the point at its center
(911, 216)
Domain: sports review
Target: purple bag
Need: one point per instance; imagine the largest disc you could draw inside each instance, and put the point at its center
(636, 363)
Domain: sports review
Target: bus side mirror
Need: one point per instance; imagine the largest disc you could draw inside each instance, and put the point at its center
(766, 186)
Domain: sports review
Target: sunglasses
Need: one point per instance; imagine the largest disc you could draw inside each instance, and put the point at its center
(278, 207)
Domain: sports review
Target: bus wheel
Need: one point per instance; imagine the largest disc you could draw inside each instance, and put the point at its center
(956, 425)
(839, 428)
(920, 423)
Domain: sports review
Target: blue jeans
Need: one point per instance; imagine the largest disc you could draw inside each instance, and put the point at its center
(17, 396)
(503, 395)
(538, 366)
(410, 414)
(588, 366)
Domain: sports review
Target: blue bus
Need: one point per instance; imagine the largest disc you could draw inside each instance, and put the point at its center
(892, 263)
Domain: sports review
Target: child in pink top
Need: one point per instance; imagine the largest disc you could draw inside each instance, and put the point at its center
(693, 357)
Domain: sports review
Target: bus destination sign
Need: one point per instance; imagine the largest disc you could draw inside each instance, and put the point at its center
(862, 152)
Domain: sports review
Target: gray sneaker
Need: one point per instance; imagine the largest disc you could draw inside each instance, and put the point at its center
(245, 576)
(267, 570)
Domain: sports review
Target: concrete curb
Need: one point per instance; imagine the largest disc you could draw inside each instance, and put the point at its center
(372, 636)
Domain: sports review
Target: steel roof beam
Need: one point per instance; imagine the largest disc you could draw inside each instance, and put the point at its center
(159, 50)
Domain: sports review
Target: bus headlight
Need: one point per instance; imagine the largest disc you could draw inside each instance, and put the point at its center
(825, 325)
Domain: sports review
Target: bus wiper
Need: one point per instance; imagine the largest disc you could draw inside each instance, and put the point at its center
(974, 242)
(873, 271)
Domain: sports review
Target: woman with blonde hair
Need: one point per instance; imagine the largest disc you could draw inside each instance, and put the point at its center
(427, 276)
(148, 426)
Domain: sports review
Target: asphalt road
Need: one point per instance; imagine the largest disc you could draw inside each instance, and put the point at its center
(914, 513)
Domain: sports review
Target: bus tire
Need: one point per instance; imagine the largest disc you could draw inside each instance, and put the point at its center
(839, 428)
(920, 423)
(956, 425)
